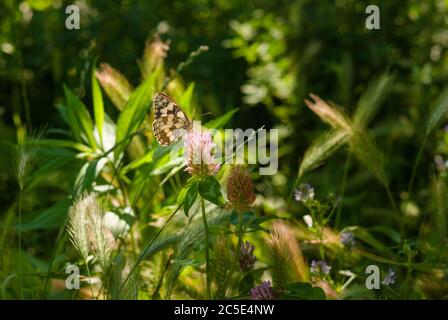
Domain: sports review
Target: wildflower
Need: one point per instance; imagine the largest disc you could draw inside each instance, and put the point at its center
(199, 153)
(304, 192)
(117, 87)
(320, 267)
(279, 256)
(240, 190)
(389, 278)
(223, 264)
(87, 230)
(262, 292)
(25, 152)
(308, 220)
(247, 258)
(79, 223)
(347, 239)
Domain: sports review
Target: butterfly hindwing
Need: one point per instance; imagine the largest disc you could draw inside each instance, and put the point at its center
(169, 120)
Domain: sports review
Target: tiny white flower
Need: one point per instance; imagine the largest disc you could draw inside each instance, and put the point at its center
(308, 220)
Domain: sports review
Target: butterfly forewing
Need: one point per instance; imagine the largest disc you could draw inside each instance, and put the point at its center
(170, 122)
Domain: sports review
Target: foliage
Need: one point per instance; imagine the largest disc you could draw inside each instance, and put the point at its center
(361, 180)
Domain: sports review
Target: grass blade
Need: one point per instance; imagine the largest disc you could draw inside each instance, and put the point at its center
(371, 100)
(438, 111)
(135, 110)
(79, 118)
(98, 105)
(322, 148)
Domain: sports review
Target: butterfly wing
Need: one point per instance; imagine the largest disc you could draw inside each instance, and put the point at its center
(169, 120)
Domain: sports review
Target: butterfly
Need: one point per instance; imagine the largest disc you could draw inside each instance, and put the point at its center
(170, 122)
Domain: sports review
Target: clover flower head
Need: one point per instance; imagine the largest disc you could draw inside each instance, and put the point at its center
(389, 278)
(247, 258)
(199, 153)
(320, 267)
(240, 190)
(262, 292)
(304, 192)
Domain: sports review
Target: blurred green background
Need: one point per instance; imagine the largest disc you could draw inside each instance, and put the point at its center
(265, 57)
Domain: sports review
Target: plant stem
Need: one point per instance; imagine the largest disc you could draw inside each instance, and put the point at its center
(238, 246)
(321, 243)
(417, 161)
(184, 64)
(20, 243)
(342, 191)
(164, 265)
(291, 193)
(142, 255)
(240, 237)
(90, 279)
(395, 208)
(207, 258)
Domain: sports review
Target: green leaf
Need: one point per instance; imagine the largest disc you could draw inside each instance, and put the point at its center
(64, 144)
(249, 280)
(88, 173)
(162, 167)
(135, 110)
(181, 196)
(321, 149)
(255, 223)
(185, 100)
(246, 283)
(190, 198)
(52, 217)
(366, 237)
(371, 100)
(304, 291)
(60, 161)
(235, 219)
(79, 118)
(222, 120)
(210, 190)
(98, 104)
(388, 231)
(183, 192)
(160, 245)
(147, 158)
(39, 5)
(438, 111)
(171, 173)
(363, 146)
(439, 209)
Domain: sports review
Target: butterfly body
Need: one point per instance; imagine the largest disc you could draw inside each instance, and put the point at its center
(170, 121)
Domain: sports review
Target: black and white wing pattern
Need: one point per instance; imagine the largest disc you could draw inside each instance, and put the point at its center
(170, 122)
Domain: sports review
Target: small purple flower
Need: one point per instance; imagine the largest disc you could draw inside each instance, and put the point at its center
(320, 267)
(347, 239)
(247, 258)
(262, 292)
(389, 278)
(304, 192)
